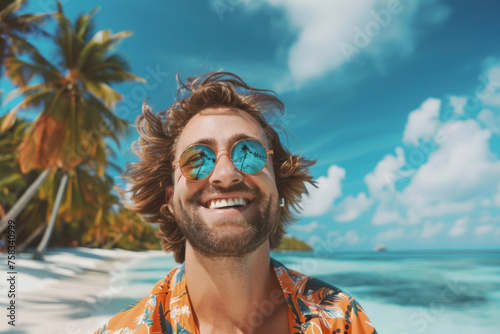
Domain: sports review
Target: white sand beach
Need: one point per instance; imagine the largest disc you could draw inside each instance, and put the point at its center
(70, 291)
(75, 291)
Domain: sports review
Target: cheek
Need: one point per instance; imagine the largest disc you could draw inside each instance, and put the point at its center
(269, 182)
(270, 168)
(180, 192)
(269, 171)
(184, 190)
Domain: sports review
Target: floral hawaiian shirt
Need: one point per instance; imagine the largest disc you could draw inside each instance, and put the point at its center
(313, 307)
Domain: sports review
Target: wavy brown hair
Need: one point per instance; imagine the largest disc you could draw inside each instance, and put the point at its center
(150, 179)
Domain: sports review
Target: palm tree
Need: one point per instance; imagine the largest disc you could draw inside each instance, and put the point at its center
(38, 255)
(14, 28)
(12, 180)
(86, 204)
(246, 150)
(75, 95)
(75, 98)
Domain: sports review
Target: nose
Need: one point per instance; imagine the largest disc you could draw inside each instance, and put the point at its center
(225, 174)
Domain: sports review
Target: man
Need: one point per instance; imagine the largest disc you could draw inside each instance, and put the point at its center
(215, 177)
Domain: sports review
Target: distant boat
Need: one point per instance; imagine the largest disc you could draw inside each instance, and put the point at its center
(380, 248)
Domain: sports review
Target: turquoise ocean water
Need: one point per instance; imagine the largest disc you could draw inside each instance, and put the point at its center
(401, 292)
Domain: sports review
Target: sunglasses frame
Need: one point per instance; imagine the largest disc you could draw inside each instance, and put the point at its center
(217, 157)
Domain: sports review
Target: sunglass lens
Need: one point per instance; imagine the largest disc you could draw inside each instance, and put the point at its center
(197, 162)
(249, 156)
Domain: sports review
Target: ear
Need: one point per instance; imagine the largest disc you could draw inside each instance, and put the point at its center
(169, 194)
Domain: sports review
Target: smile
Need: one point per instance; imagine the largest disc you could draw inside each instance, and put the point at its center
(223, 203)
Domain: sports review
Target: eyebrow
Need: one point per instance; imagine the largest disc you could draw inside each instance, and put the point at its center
(211, 141)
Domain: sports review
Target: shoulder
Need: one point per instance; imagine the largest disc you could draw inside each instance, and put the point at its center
(138, 317)
(320, 305)
(326, 306)
(302, 285)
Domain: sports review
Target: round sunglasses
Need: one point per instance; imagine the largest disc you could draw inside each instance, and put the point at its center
(197, 162)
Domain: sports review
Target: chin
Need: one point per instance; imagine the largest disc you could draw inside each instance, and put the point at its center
(227, 232)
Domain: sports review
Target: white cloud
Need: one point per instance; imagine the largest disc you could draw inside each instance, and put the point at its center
(491, 92)
(487, 218)
(497, 196)
(457, 172)
(313, 240)
(457, 176)
(444, 208)
(490, 120)
(497, 233)
(414, 233)
(422, 122)
(331, 33)
(459, 227)
(431, 230)
(390, 235)
(308, 228)
(486, 202)
(483, 229)
(381, 180)
(350, 238)
(458, 104)
(321, 199)
(381, 186)
(352, 207)
(385, 215)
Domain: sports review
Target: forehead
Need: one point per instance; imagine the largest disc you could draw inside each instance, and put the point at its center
(220, 127)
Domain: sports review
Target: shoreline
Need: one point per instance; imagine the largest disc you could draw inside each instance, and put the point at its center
(75, 291)
(69, 291)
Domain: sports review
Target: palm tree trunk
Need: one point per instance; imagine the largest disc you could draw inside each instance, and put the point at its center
(113, 242)
(23, 201)
(32, 236)
(48, 232)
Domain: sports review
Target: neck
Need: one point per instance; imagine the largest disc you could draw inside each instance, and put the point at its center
(225, 291)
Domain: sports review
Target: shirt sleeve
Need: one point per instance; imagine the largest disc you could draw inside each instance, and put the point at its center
(360, 323)
(357, 320)
(137, 318)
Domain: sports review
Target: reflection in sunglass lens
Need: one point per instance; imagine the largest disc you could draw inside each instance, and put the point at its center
(197, 162)
(249, 156)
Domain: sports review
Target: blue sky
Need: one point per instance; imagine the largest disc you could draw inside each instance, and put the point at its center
(399, 101)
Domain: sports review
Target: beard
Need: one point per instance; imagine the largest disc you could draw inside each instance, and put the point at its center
(220, 240)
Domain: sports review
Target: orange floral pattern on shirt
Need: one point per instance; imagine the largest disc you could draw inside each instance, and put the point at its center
(314, 307)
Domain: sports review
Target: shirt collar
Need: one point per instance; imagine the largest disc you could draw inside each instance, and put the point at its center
(181, 314)
(292, 284)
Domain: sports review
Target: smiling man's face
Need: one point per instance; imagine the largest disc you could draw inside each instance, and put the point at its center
(210, 212)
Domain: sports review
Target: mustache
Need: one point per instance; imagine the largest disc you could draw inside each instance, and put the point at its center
(213, 189)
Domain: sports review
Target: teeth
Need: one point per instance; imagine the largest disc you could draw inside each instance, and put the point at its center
(229, 202)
